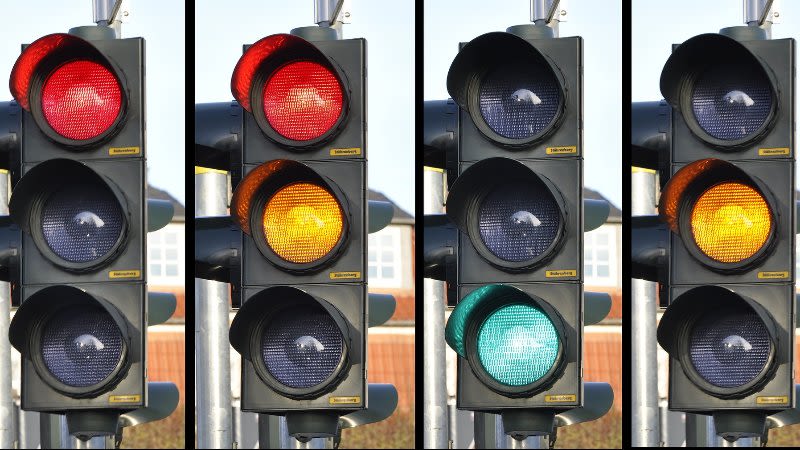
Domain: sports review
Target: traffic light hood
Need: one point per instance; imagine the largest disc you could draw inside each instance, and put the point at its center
(481, 301)
(484, 53)
(267, 302)
(698, 175)
(697, 55)
(269, 177)
(494, 179)
(49, 50)
(270, 53)
(49, 177)
(47, 301)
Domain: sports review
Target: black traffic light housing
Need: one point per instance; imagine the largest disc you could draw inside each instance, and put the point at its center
(79, 198)
(123, 386)
(730, 206)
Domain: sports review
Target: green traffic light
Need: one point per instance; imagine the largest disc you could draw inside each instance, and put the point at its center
(517, 344)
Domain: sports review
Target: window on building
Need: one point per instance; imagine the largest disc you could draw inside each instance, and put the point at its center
(384, 258)
(599, 256)
(165, 258)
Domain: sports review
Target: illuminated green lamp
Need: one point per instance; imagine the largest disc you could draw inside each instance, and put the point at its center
(513, 341)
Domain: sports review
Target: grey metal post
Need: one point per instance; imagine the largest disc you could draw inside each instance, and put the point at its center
(502, 440)
(6, 400)
(212, 349)
(499, 432)
(548, 12)
(644, 398)
(760, 13)
(105, 13)
(49, 430)
(435, 429)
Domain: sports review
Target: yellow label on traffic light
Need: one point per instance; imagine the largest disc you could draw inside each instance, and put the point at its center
(344, 400)
(118, 151)
(561, 150)
(772, 400)
(125, 398)
(772, 275)
(345, 151)
(776, 151)
(344, 275)
(124, 274)
(560, 398)
(561, 273)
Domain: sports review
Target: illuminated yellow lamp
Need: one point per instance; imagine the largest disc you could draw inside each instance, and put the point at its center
(302, 222)
(731, 222)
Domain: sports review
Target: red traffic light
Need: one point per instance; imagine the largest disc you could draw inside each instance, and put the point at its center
(71, 89)
(296, 94)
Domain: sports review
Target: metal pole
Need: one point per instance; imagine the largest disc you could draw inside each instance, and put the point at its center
(499, 432)
(435, 366)
(212, 349)
(757, 14)
(505, 441)
(6, 400)
(546, 12)
(95, 442)
(644, 398)
(269, 431)
(105, 13)
(50, 430)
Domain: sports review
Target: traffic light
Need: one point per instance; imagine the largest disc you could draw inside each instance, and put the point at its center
(514, 268)
(728, 201)
(79, 199)
(294, 247)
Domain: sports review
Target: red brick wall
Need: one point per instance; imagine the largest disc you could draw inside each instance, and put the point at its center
(391, 360)
(602, 360)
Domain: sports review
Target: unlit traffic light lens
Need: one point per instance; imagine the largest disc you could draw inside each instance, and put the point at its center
(81, 99)
(302, 347)
(303, 100)
(519, 102)
(731, 222)
(519, 221)
(302, 222)
(517, 344)
(731, 103)
(81, 223)
(81, 347)
(729, 349)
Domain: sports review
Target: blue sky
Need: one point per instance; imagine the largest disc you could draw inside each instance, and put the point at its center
(599, 23)
(162, 25)
(221, 30)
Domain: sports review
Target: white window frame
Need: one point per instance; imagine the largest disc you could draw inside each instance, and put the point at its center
(397, 243)
(590, 238)
(167, 280)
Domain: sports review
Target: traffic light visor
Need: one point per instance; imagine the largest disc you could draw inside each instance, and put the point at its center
(724, 341)
(724, 92)
(514, 94)
(514, 217)
(73, 91)
(78, 342)
(726, 218)
(298, 218)
(299, 344)
(77, 218)
(297, 95)
(512, 340)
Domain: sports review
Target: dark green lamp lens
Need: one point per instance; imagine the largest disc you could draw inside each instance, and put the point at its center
(517, 344)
